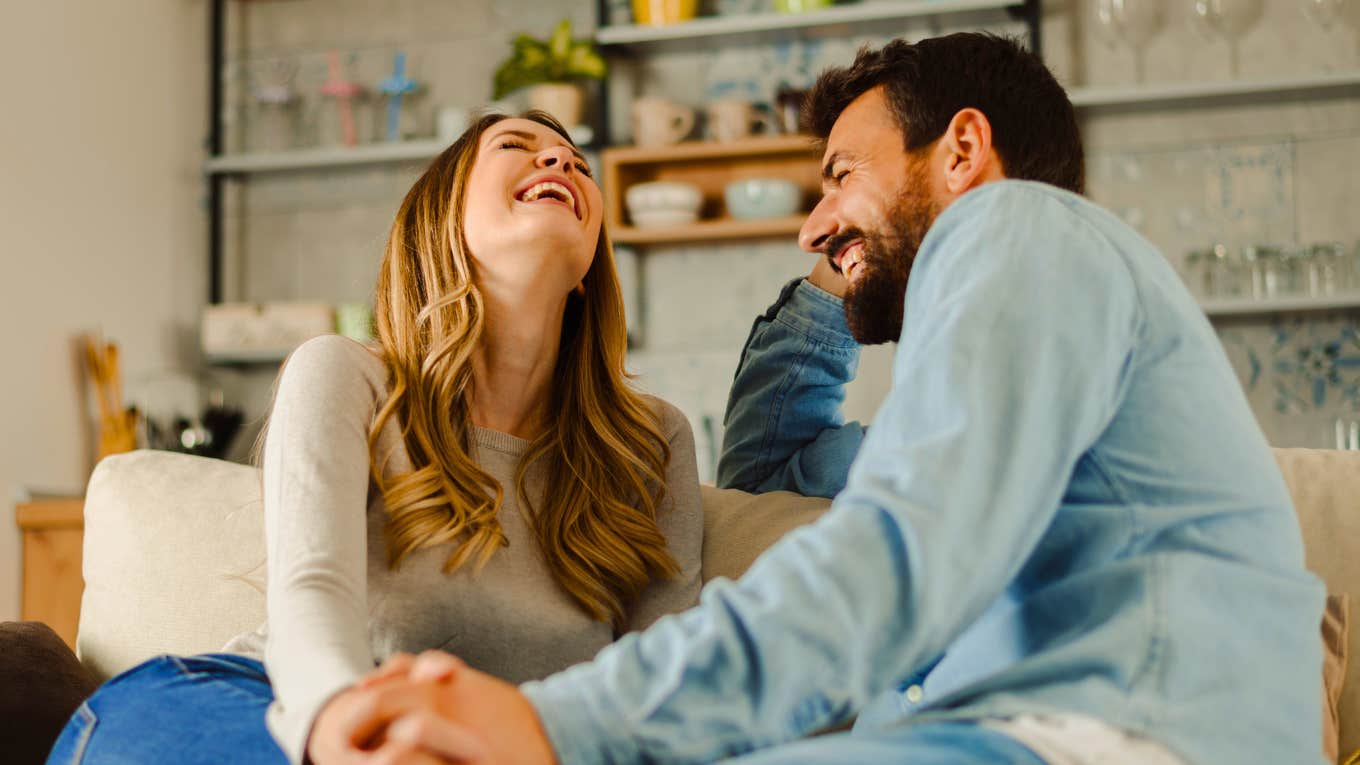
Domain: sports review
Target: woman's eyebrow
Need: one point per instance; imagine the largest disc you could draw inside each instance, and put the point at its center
(526, 135)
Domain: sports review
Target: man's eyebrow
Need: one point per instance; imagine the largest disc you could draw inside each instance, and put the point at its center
(526, 135)
(829, 168)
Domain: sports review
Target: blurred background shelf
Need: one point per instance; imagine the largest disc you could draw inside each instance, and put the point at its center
(263, 356)
(338, 156)
(766, 24)
(1139, 96)
(1251, 307)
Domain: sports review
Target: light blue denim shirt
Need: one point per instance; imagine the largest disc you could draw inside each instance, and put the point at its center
(1064, 492)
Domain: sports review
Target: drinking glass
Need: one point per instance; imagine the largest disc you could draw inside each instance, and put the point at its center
(1326, 268)
(1131, 22)
(1228, 19)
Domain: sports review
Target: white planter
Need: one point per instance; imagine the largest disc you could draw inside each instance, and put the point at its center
(563, 100)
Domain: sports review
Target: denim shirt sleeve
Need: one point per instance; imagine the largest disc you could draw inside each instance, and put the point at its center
(1014, 357)
(783, 428)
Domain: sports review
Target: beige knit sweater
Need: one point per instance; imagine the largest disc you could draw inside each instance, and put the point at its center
(334, 608)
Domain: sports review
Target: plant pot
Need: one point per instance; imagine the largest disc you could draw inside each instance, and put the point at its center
(563, 100)
(659, 12)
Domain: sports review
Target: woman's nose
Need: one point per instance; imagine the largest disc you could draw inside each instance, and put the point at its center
(558, 157)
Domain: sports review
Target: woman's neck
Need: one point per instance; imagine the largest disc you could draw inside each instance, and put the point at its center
(512, 368)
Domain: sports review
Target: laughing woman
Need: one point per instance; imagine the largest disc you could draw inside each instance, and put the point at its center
(484, 482)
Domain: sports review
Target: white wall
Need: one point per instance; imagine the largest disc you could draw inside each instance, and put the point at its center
(101, 223)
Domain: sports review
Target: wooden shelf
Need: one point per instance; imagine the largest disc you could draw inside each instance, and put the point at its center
(710, 166)
(775, 23)
(697, 150)
(1130, 97)
(709, 231)
(1249, 307)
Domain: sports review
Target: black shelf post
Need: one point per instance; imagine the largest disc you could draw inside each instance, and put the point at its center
(216, 55)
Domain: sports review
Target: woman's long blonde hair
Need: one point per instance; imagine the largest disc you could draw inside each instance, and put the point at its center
(602, 452)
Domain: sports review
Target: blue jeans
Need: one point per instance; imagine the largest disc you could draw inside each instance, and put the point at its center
(941, 743)
(196, 710)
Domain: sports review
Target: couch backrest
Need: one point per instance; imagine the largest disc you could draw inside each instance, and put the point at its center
(174, 551)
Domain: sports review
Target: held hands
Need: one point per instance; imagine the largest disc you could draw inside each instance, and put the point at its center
(428, 710)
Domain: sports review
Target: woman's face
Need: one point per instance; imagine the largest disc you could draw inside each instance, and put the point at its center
(532, 210)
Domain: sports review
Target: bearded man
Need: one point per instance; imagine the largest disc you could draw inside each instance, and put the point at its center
(1063, 541)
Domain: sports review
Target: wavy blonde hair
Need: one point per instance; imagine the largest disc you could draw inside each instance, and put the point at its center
(603, 453)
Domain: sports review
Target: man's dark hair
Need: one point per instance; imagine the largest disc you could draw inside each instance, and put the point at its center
(1034, 128)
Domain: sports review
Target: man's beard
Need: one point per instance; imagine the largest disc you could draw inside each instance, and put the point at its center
(876, 299)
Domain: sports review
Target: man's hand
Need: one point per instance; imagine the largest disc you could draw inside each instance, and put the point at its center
(499, 716)
(825, 277)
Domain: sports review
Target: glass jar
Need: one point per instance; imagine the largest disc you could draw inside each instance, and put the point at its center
(1195, 272)
(1326, 268)
(1224, 273)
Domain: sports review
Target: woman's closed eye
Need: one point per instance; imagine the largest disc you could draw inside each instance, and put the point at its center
(581, 167)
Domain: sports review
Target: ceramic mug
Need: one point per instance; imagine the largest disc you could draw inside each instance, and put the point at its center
(658, 121)
(732, 119)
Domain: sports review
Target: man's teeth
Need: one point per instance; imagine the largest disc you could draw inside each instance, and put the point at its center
(539, 189)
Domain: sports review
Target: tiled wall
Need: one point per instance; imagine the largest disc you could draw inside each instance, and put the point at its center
(1243, 172)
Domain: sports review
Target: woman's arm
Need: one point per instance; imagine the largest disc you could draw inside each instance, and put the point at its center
(316, 479)
(681, 519)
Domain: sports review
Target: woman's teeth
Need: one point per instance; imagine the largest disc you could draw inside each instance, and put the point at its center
(556, 190)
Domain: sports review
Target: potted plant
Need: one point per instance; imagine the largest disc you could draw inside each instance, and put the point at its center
(551, 69)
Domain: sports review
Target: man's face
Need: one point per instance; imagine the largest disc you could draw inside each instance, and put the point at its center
(875, 210)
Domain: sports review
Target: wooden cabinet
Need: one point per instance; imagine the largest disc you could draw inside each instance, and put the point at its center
(53, 533)
(710, 166)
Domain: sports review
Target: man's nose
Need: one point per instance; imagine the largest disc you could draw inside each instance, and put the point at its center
(820, 225)
(557, 157)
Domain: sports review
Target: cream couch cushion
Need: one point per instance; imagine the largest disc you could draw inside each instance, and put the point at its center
(174, 558)
(174, 551)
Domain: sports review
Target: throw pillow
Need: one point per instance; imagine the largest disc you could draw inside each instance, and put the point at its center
(1335, 624)
(41, 685)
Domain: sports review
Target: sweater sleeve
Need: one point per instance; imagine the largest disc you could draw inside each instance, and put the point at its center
(316, 479)
(681, 519)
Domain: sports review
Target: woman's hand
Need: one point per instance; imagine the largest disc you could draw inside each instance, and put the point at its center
(354, 727)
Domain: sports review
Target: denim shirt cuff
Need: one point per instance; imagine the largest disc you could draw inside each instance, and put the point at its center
(576, 736)
(815, 313)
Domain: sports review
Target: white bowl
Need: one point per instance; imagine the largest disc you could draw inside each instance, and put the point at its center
(761, 198)
(646, 200)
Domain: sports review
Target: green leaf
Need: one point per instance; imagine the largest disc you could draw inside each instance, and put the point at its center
(585, 62)
(560, 44)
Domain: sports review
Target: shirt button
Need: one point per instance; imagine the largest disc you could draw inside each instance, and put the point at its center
(915, 694)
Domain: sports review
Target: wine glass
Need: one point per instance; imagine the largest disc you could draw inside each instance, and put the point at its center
(1325, 14)
(1132, 22)
(1229, 19)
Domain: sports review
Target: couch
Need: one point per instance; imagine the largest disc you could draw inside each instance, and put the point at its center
(174, 551)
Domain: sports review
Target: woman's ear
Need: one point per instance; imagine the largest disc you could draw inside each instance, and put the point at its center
(580, 288)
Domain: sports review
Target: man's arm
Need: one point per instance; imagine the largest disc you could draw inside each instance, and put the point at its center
(783, 428)
(1013, 360)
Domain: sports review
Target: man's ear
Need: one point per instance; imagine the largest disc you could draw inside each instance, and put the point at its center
(969, 158)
